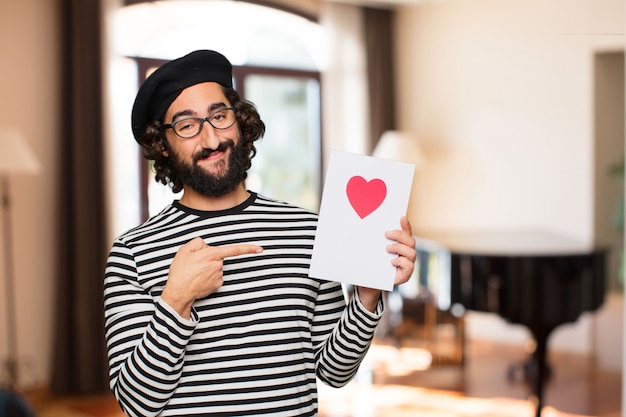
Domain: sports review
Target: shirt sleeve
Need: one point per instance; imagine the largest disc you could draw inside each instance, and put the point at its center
(146, 339)
(342, 334)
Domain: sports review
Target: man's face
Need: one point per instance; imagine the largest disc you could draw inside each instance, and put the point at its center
(211, 162)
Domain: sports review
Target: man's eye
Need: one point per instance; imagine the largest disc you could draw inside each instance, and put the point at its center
(219, 116)
(185, 125)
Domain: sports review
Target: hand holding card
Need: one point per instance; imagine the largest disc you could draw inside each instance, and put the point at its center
(363, 198)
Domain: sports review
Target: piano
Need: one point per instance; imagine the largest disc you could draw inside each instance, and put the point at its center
(536, 279)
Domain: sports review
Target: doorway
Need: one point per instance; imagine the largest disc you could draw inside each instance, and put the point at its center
(609, 200)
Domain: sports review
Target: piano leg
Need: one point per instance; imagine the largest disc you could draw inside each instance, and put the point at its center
(539, 368)
(535, 371)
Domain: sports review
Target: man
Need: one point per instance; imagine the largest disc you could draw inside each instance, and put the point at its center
(209, 307)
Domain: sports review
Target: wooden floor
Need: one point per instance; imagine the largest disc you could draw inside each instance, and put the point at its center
(576, 387)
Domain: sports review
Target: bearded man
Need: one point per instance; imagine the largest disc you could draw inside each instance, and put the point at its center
(209, 306)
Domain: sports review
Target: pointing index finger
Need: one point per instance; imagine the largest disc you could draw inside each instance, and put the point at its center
(223, 252)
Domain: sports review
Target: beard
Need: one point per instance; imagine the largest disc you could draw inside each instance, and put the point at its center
(218, 184)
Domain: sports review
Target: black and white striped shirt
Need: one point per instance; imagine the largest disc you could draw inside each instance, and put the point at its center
(254, 347)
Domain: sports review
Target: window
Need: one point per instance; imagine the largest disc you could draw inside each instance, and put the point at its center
(275, 56)
(288, 163)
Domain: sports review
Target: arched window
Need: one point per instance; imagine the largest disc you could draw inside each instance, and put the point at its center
(276, 56)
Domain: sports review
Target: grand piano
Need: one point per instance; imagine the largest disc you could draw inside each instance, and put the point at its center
(536, 279)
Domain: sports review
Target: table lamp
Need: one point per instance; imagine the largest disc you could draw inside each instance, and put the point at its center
(16, 158)
(399, 146)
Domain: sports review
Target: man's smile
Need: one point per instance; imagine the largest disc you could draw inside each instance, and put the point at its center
(213, 154)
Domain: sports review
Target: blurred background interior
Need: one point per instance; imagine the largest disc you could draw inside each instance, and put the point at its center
(511, 110)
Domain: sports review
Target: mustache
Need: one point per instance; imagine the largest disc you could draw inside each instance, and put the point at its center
(206, 152)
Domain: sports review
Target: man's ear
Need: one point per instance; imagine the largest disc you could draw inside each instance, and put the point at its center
(163, 147)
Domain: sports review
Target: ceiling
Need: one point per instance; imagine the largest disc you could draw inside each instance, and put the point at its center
(390, 4)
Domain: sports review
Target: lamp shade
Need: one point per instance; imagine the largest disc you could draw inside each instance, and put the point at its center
(399, 146)
(16, 155)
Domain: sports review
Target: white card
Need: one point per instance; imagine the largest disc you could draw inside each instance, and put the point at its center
(363, 198)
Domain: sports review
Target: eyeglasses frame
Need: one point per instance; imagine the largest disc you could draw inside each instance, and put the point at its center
(202, 120)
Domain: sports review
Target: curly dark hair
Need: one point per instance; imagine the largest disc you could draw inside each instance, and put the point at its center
(153, 141)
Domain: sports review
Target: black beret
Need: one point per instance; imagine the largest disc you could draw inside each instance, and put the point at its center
(166, 83)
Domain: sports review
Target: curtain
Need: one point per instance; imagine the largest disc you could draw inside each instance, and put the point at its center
(79, 356)
(378, 29)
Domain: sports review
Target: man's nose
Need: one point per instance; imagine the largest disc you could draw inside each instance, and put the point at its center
(208, 136)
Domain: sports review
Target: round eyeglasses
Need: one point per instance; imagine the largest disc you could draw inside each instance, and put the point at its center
(191, 126)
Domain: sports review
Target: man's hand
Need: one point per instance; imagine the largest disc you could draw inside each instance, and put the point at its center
(196, 272)
(404, 247)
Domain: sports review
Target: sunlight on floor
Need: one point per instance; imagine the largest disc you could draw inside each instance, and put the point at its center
(398, 361)
(363, 398)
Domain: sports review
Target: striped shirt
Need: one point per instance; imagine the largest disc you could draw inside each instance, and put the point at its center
(254, 347)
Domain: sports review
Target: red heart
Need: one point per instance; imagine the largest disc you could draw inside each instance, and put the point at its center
(364, 196)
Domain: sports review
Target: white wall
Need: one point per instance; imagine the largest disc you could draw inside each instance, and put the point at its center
(500, 95)
(29, 101)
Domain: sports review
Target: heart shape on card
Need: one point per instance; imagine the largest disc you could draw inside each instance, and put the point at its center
(365, 196)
